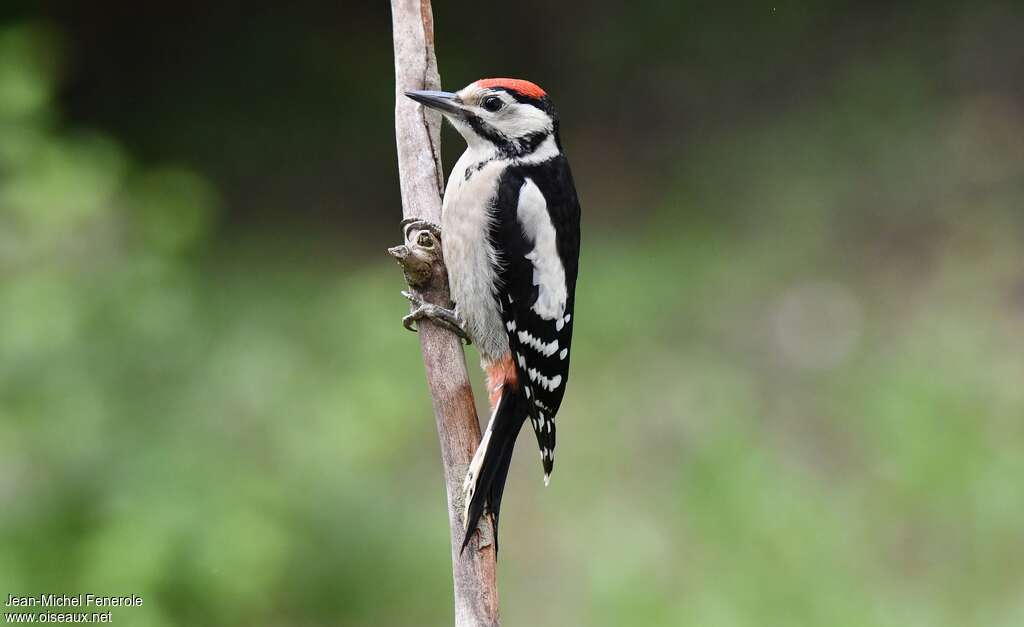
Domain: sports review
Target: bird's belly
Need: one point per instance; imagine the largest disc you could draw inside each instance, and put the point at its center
(471, 261)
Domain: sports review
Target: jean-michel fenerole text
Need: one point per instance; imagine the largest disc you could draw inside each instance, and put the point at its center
(75, 600)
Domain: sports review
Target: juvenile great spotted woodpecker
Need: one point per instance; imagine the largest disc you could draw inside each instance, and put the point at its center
(510, 227)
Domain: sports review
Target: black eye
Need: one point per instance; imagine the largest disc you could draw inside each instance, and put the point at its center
(492, 103)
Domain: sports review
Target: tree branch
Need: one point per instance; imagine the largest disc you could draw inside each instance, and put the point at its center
(418, 136)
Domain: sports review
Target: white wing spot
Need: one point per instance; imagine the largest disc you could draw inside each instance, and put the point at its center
(547, 383)
(527, 391)
(567, 318)
(565, 351)
(559, 324)
(544, 348)
(511, 326)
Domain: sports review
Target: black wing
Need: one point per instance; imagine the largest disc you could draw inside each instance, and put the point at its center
(538, 312)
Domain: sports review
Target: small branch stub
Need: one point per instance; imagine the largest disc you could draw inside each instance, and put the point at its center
(420, 256)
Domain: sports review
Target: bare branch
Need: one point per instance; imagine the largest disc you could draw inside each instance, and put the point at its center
(418, 137)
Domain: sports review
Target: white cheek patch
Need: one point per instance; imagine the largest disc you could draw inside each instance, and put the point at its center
(548, 272)
(520, 120)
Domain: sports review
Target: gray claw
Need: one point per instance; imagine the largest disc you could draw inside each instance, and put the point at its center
(407, 322)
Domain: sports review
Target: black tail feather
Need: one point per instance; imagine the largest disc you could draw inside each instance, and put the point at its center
(545, 430)
(512, 410)
(498, 485)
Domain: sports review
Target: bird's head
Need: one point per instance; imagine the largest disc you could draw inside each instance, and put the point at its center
(511, 116)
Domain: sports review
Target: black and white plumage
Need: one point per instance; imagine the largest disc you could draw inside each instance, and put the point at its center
(510, 236)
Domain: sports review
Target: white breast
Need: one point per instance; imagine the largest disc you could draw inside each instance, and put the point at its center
(465, 223)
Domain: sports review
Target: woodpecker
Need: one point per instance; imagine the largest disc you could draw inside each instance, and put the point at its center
(510, 226)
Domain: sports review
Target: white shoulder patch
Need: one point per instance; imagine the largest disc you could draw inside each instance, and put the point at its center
(548, 272)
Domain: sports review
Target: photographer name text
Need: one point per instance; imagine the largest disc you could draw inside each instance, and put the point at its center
(76, 600)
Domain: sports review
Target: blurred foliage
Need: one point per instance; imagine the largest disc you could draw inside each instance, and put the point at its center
(796, 393)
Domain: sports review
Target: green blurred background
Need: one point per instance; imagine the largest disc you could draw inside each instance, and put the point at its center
(798, 391)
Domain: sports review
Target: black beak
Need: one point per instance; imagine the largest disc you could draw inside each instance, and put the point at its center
(443, 101)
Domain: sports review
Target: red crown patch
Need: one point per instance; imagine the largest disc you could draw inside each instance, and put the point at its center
(525, 88)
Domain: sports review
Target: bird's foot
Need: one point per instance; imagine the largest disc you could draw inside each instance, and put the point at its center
(444, 317)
